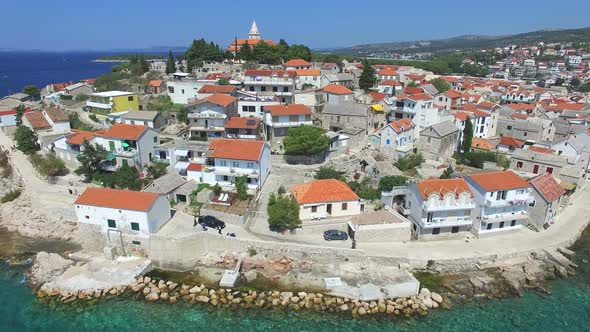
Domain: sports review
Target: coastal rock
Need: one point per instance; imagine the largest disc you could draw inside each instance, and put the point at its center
(390, 309)
(436, 297)
(344, 307)
(195, 290)
(173, 299)
(427, 303)
(164, 296)
(202, 298)
(47, 266)
(152, 297)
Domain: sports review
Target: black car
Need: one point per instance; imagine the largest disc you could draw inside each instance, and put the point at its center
(333, 234)
(211, 222)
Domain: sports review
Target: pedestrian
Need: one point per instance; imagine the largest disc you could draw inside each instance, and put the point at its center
(70, 190)
(219, 230)
(195, 221)
(353, 244)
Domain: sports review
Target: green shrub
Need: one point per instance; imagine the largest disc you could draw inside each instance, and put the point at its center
(10, 196)
(48, 165)
(409, 163)
(387, 183)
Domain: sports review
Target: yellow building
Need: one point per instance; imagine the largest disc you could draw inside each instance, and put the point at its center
(112, 102)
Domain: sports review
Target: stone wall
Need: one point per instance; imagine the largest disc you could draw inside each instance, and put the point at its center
(383, 233)
(305, 160)
(94, 239)
(227, 218)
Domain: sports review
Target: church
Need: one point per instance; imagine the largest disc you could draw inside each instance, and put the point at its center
(253, 39)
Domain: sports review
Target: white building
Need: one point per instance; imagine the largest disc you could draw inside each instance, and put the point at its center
(308, 78)
(395, 139)
(250, 104)
(127, 145)
(295, 64)
(126, 219)
(182, 89)
(58, 119)
(8, 117)
(207, 116)
(279, 83)
(230, 158)
(440, 208)
(335, 94)
(279, 118)
(419, 108)
(320, 199)
(502, 202)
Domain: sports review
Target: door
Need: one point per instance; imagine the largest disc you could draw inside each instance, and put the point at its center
(329, 209)
(536, 169)
(111, 145)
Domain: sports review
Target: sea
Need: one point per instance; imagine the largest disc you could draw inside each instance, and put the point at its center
(19, 69)
(566, 309)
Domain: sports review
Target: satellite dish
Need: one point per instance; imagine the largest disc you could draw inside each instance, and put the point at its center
(185, 135)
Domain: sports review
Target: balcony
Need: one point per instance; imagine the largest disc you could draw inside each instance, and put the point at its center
(447, 222)
(291, 124)
(241, 136)
(208, 129)
(447, 207)
(517, 201)
(128, 153)
(98, 105)
(519, 215)
(235, 171)
(267, 82)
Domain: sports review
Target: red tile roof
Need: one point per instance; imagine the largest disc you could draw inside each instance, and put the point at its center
(296, 63)
(522, 116)
(250, 42)
(79, 136)
(239, 149)
(218, 99)
(117, 199)
(390, 83)
(243, 123)
(452, 94)
(420, 96)
(37, 120)
(287, 109)
(13, 112)
(547, 186)
(461, 116)
(56, 115)
(155, 83)
(504, 180)
(319, 191)
(402, 125)
(482, 144)
(415, 77)
(222, 89)
(377, 96)
(387, 72)
(308, 72)
(337, 89)
(413, 90)
(124, 131)
(267, 72)
(540, 149)
(216, 76)
(511, 141)
(194, 167)
(443, 187)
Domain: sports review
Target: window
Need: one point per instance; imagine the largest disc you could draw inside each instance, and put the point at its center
(134, 226)
(436, 231)
(455, 229)
(314, 209)
(155, 139)
(532, 204)
(170, 89)
(130, 98)
(513, 223)
(111, 223)
(388, 141)
(182, 91)
(536, 169)
(225, 178)
(285, 89)
(519, 164)
(429, 217)
(344, 206)
(263, 88)
(235, 164)
(137, 243)
(489, 227)
(275, 89)
(550, 170)
(502, 224)
(509, 127)
(222, 163)
(87, 217)
(525, 133)
(251, 88)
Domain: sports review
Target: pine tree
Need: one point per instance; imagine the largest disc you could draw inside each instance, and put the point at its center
(467, 136)
(368, 78)
(170, 63)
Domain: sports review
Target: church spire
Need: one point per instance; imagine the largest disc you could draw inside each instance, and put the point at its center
(254, 33)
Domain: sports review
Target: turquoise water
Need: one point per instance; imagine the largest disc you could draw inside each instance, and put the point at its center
(566, 309)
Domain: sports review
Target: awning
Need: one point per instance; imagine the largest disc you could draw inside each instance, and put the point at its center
(181, 165)
(377, 108)
(567, 185)
(110, 156)
(125, 145)
(181, 152)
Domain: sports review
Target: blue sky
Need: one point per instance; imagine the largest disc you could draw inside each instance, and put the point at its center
(109, 24)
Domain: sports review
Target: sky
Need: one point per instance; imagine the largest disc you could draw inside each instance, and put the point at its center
(132, 24)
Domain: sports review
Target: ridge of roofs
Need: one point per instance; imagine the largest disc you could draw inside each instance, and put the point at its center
(540, 149)
(240, 149)
(194, 167)
(56, 114)
(549, 188)
(390, 83)
(243, 123)
(218, 99)
(308, 72)
(124, 131)
(327, 190)
(503, 180)
(511, 141)
(402, 125)
(214, 89)
(482, 143)
(79, 136)
(117, 199)
(296, 62)
(377, 96)
(155, 83)
(13, 112)
(287, 109)
(443, 187)
(337, 89)
(37, 120)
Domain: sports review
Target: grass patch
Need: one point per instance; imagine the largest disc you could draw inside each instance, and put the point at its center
(76, 123)
(10, 196)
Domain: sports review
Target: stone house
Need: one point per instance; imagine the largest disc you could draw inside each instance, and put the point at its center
(547, 195)
(320, 199)
(396, 139)
(348, 115)
(439, 141)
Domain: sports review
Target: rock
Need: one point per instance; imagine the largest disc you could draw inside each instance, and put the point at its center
(390, 309)
(152, 297)
(427, 303)
(41, 294)
(276, 302)
(147, 280)
(48, 266)
(146, 291)
(173, 299)
(195, 290)
(381, 307)
(286, 295)
(425, 292)
(344, 307)
(302, 295)
(164, 296)
(434, 304)
(172, 286)
(250, 275)
(202, 298)
(362, 311)
(113, 291)
(436, 297)
(317, 300)
(415, 306)
(295, 299)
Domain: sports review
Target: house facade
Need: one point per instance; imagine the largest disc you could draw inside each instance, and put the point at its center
(279, 118)
(321, 199)
(547, 195)
(440, 208)
(439, 141)
(502, 200)
(395, 140)
(112, 102)
(279, 83)
(207, 116)
(419, 108)
(127, 145)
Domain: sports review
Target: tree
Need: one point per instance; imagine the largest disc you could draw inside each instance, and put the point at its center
(305, 140)
(127, 177)
(299, 52)
(26, 139)
(575, 82)
(328, 172)
(559, 82)
(32, 91)
(364, 189)
(223, 81)
(412, 84)
(245, 52)
(584, 88)
(387, 183)
(440, 84)
(156, 169)
(90, 158)
(170, 63)
(241, 183)
(368, 77)
(283, 213)
(467, 136)
(409, 163)
(447, 173)
(20, 112)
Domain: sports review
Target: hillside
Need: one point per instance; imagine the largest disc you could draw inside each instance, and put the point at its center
(469, 42)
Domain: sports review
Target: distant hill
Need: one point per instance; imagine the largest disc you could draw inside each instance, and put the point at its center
(469, 42)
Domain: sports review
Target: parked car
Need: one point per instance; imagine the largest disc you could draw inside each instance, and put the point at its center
(333, 234)
(211, 222)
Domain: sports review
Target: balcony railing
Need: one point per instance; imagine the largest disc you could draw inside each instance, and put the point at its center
(126, 153)
(447, 222)
(448, 207)
(234, 171)
(209, 128)
(519, 201)
(291, 124)
(241, 136)
(505, 216)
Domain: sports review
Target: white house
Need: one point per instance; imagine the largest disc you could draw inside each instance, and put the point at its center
(181, 89)
(250, 104)
(308, 78)
(279, 83)
(8, 117)
(207, 116)
(337, 94)
(128, 145)
(321, 199)
(419, 108)
(389, 87)
(279, 118)
(440, 208)
(58, 119)
(230, 158)
(547, 194)
(125, 219)
(502, 202)
(295, 64)
(395, 139)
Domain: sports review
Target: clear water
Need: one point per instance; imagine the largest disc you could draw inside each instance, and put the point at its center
(566, 309)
